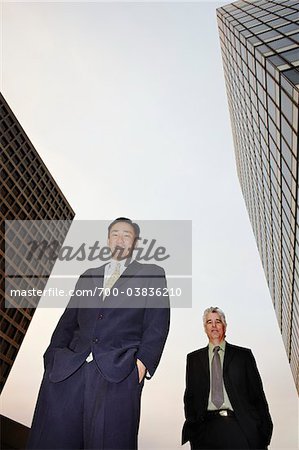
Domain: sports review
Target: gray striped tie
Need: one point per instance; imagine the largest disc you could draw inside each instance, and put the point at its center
(217, 395)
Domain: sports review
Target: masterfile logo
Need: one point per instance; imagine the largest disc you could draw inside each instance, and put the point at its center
(39, 264)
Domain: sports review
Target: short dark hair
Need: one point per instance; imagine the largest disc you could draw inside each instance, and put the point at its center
(125, 219)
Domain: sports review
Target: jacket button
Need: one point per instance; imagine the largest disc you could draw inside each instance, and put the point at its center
(100, 316)
(95, 340)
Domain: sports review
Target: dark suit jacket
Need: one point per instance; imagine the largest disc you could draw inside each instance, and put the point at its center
(244, 388)
(118, 330)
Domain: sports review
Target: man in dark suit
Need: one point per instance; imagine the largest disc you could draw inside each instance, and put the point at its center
(100, 352)
(225, 405)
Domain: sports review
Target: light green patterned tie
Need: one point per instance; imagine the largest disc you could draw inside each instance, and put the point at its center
(110, 282)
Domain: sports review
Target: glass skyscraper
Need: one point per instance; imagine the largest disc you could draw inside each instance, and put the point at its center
(28, 194)
(260, 52)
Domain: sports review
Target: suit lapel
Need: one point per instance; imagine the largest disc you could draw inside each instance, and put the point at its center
(205, 377)
(128, 273)
(204, 360)
(228, 356)
(98, 276)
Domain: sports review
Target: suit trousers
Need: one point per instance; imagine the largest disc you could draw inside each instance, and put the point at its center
(220, 433)
(85, 411)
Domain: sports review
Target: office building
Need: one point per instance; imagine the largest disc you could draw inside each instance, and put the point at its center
(260, 54)
(29, 194)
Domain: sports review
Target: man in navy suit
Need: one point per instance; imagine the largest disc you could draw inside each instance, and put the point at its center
(225, 404)
(101, 351)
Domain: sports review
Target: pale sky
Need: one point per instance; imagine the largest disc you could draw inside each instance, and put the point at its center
(126, 105)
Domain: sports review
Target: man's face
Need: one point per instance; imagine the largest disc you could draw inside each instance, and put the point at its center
(121, 240)
(214, 328)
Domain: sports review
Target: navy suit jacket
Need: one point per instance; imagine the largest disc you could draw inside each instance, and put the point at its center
(118, 330)
(243, 386)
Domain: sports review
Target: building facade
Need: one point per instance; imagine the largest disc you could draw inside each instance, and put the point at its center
(28, 194)
(260, 53)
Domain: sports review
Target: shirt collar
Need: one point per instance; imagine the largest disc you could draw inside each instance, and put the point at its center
(221, 345)
(113, 262)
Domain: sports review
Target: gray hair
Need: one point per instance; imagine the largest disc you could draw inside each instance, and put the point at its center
(214, 309)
